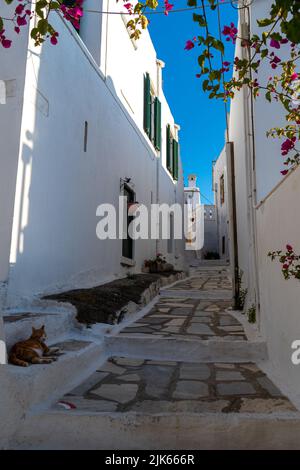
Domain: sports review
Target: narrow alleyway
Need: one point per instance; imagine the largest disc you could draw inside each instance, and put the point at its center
(183, 375)
(193, 309)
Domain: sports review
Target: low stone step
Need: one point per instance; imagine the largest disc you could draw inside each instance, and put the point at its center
(71, 430)
(44, 382)
(197, 294)
(18, 324)
(185, 349)
(131, 403)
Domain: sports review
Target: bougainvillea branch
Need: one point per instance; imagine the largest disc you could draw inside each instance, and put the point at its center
(290, 262)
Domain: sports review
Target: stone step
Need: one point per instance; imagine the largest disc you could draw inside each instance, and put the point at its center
(146, 404)
(71, 430)
(197, 294)
(18, 324)
(44, 382)
(151, 347)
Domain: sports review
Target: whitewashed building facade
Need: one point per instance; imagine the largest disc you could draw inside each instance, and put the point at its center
(84, 122)
(262, 210)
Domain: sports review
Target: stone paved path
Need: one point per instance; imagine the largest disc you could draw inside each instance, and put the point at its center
(150, 386)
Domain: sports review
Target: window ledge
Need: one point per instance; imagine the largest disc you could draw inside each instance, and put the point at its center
(127, 261)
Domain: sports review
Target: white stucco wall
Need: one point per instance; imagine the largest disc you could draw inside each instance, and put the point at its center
(280, 298)
(211, 242)
(59, 186)
(222, 217)
(12, 73)
(268, 159)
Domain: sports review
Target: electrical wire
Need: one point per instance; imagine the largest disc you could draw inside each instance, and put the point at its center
(162, 12)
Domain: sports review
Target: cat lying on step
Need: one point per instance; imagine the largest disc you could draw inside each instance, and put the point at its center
(33, 350)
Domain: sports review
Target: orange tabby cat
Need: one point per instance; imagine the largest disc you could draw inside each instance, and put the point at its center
(33, 350)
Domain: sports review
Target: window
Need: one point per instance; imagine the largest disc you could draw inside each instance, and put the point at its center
(171, 234)
(127, 243)
(222, 190)
(172, 154)
(152, 114)
(85, 138)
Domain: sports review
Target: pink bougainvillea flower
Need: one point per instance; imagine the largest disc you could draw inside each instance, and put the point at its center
(284, 172)
(285, 266)
(198, 75)
(128, 6)
(274, 43)
(6, 43)
(53, 38)
(284, 41)
(19, 9)
(189, 45)
(17, 29)
(230, 32)
(21, 20)
(289, 247)
(287, 146)
(226, 64)
(293, 77)
(168, 7)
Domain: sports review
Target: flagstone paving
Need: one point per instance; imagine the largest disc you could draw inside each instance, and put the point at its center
(125, 384)
(189, 318)
(152, 386)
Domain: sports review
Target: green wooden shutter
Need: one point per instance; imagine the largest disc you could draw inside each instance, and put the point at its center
(157, 134)
(175, 160)
(169, 156)
(147, 105)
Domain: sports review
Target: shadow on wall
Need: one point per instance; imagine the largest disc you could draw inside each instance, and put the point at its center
(60, 182)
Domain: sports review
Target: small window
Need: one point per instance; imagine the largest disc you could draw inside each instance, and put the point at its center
(172, 154)
(85, 138)
(127, 243)
(222, 190)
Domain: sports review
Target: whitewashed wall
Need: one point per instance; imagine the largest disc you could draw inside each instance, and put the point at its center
(12, 73)
(59, 186)
(280, 298)
(222, 216)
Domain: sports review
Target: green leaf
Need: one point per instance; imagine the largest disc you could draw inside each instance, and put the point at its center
(192, 3)
(268, 96)
(199, 19)
(42, 27)
(219, 46)
(55, 6)
(8, 1)
(205, 84)
(265, 22)
(264, 53)
(1, 23)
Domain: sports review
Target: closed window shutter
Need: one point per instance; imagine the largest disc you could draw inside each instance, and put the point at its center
(147, 105)
(157, 135)
(169, 156)
(175, 160)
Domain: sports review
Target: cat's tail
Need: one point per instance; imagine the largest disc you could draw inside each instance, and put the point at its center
(13, 359)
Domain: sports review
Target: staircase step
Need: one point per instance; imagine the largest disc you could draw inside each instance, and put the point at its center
(131, 403)
(151, 347)
(18, 324)
(44, 382)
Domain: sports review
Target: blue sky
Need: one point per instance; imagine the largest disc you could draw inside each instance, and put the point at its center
(202, 120)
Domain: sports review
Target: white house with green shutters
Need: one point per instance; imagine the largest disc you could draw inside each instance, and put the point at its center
(84, 122)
